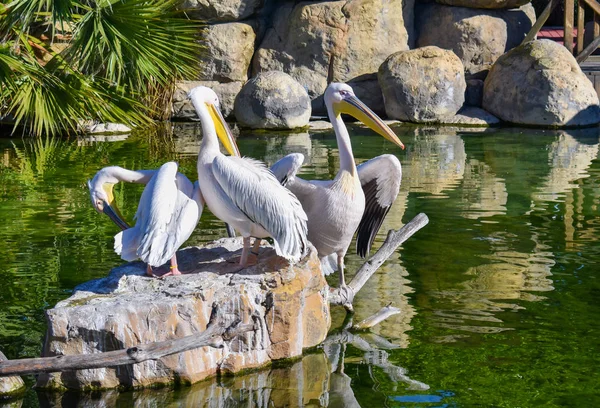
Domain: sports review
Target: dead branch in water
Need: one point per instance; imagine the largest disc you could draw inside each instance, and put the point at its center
(394, 239)
(213, 336)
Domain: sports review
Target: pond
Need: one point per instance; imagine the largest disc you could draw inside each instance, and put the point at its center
(500, 295)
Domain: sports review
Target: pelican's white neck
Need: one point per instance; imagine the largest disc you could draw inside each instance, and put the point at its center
(209, 133)
(343, 140)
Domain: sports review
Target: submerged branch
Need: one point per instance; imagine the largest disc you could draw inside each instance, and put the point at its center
(394, 239)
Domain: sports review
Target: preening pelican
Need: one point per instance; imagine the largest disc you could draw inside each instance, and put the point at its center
(242, 191)
(357, 199)
(167, 214)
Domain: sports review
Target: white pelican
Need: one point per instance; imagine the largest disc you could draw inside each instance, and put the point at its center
(357, 199)
(168, 212)
(243, 192)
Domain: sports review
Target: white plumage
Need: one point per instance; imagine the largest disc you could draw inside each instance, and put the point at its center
(357, 199)
(242, 191)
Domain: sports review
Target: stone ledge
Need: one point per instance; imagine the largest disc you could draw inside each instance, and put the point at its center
(287, 304)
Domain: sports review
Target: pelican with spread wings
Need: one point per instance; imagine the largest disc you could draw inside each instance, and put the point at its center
(168, 212)
(243, 192)
(358, 198)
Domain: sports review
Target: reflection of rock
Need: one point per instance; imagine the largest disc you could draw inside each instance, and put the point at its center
(287, 306)
(569, 162)
(483, 193)
(435, 163)
(279, 146)
(91, 139)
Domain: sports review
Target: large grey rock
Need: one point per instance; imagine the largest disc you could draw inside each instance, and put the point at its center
(422, 85)
(10, 386)
(485, 4)
(221, 10)
(321, 42)
(229, 49)
(272, 100)
(182, 107)
(286, 303)
(478, 37)
(474, 92)
(540, 83)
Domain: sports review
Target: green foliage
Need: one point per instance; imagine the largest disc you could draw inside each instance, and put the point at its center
(63, 62)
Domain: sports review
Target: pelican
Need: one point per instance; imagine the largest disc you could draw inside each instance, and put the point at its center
(242, 191)
(357, 199)
(168, 212)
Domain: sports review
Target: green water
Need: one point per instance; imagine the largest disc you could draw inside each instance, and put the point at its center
(499, 293)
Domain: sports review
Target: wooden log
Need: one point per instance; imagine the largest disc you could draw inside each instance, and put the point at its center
(569, 16)
(540, 21)
(394, 239)
(594, 5)
(212, 337)
(596, 25)
(580, 27)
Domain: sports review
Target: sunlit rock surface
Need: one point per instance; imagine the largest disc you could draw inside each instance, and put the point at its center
(287, 305)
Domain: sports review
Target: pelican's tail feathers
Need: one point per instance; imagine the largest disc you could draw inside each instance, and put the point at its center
(126, 244)
(329, 264)
(154, 248)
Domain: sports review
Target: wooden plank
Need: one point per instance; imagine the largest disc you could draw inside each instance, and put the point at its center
(596, 25)
(580, 27)
(541, 20)
(569, 15)
(594, 5)
(588, 50)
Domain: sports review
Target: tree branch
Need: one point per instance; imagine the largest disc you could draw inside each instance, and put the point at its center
(394, 239)
(213, 336)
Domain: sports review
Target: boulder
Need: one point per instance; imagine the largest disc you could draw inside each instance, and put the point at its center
(287, 304)
(472, 116)
(485, 4)
(477, 37)
(272, 100)
(540, 83)
(10, 386)
(221, 10)
(422, 85)
(322, 42)
(229, 49)
(182, 107)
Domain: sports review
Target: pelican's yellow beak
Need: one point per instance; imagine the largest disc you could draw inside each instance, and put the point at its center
(223, 131)
(352, 106)
(110, 208)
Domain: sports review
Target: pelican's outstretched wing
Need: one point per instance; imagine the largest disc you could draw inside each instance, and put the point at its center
(380, 179)
(257, 193)
(285, 169)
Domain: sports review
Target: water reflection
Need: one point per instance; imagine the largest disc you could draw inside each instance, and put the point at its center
(513, 216)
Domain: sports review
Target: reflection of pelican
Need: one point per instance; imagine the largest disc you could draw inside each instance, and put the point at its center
(358, 198)
(167, 214)
(242, 191)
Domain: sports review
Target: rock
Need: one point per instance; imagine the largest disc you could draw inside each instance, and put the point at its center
(540, 83)
(472, 116)
(183, 108)
(322, 42)
(320, 125)
(422, 85)
(272, 100)
(90, 127)
(369, 92)
(286, 303)
(10, 386)
(478, 37)
(229, 49)
(221, 10)
(485, 4)
(474, 92)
